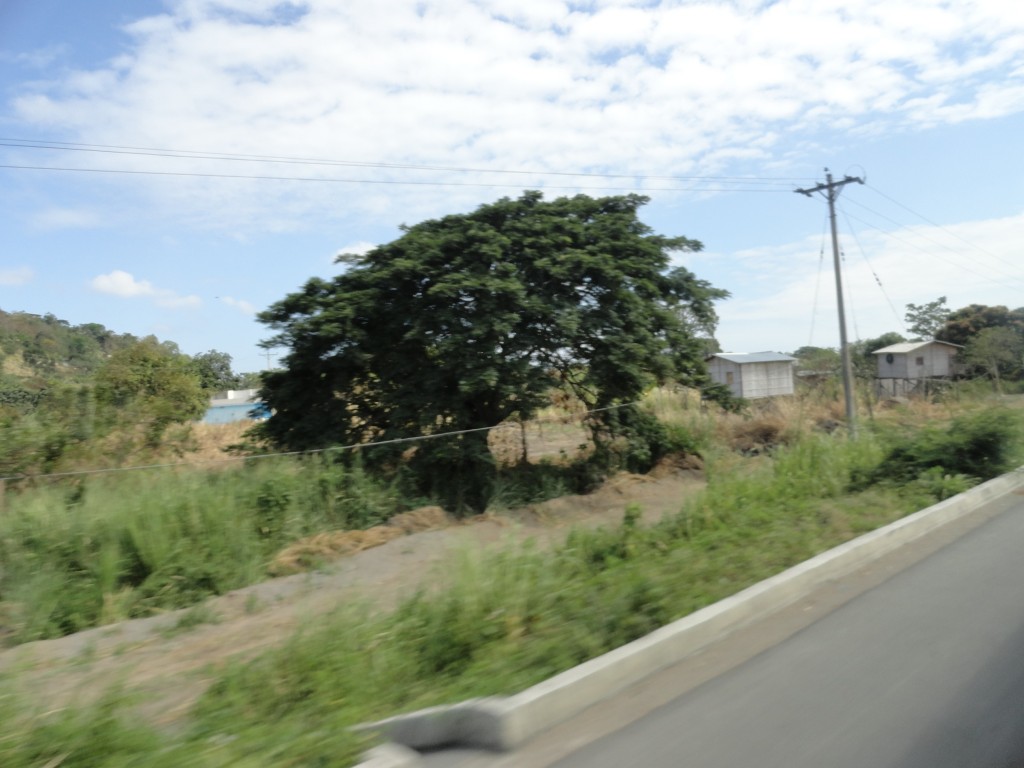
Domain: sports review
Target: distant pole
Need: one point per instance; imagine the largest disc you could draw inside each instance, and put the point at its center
(830, 189)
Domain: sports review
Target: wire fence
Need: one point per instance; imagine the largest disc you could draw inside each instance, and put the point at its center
(580, 416)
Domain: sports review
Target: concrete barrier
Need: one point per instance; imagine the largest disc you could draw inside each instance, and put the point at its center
(390, 756)
(503, 723)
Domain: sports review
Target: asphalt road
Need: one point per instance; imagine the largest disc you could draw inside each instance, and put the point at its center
(925, 670)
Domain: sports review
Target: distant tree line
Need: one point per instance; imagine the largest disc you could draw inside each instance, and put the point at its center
(992, 338)
(86, 395)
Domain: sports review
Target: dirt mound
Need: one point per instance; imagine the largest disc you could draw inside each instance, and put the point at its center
(313, 551)
(422, 519)
(679, 463)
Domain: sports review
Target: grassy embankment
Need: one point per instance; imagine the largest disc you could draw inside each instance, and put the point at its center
(503, 622)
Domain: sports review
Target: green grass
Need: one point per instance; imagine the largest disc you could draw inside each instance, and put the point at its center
(509, 619)
(499, 621)
(122, 546)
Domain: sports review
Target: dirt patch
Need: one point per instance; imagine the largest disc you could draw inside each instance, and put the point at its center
(169, 662)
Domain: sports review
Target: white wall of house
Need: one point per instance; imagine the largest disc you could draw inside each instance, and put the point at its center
(754, 379)
(925, 362)
(767, 379)
(727, 373)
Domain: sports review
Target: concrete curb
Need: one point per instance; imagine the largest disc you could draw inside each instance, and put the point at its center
(390, 756)
(503, 723)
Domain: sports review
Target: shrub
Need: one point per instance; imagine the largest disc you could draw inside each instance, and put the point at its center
(980, 445)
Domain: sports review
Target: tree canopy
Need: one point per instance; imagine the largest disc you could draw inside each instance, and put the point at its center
(468, 320)
(214, 371)
(924, 321)
(153, 382)
(967, 322)
(996, 351)
(862, 353)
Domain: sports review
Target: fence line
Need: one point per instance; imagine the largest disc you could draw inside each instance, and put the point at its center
(313, 452)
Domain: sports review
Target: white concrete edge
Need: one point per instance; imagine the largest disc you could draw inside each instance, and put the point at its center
(390, 756)
(503, 723)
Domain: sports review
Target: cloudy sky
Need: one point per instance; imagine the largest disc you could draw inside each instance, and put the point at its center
(171, 167)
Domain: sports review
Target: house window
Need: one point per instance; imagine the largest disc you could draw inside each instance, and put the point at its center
(920, 361)
(728, 378)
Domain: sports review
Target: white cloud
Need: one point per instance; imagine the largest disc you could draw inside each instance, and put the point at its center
(971, 262)
(634, 87)
(17, 276)
(65, 218)
(35, 59)
(360, 248)
(169, 300)
(125, 285)
(242, 306)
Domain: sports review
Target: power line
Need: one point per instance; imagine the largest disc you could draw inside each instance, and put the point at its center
(313, 452)
(207, 155)
(817, 282)
(932, 254)
(939, 226)
(938, 243)
(874, 274)
(188, 174)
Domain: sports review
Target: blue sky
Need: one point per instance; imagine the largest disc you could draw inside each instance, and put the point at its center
(716, 110)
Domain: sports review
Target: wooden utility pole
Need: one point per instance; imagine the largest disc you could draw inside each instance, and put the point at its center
(830, 191)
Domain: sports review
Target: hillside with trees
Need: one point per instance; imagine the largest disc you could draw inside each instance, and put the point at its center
(76, 396)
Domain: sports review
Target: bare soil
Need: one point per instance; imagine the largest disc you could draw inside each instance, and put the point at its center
(169, 660)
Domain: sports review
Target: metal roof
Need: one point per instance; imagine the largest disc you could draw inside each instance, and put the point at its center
(753, 357)
(909, 346)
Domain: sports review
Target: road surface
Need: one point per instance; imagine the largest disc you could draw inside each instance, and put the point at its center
(922, 668)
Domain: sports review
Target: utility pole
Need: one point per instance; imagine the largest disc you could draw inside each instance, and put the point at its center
(830, 191)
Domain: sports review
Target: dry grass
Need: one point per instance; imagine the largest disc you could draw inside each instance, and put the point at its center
(564, 438)
(765, 424)
(209, 441)
(14, 365)
(313, 551)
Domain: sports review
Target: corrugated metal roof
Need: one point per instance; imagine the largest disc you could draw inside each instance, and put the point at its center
(910, 346)
(753, 357)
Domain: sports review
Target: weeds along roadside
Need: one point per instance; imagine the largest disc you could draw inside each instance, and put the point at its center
(94, 550)
(504, 620)
(121, 546)
(99, 550)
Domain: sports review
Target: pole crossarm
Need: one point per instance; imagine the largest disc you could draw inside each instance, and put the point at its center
(830, 186)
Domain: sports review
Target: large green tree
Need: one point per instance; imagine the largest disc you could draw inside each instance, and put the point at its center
(862, 353)
(924, 321)
(151, 383)
(997, 352)
(468, 320)
(967, 322)
(214, 371)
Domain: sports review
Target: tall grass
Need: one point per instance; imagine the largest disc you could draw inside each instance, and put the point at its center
(501, 621)
(120, 546)
(498, 621)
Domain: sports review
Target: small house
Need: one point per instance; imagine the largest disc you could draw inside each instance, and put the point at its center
(235, 405)
(908, 367)
(752, 375)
